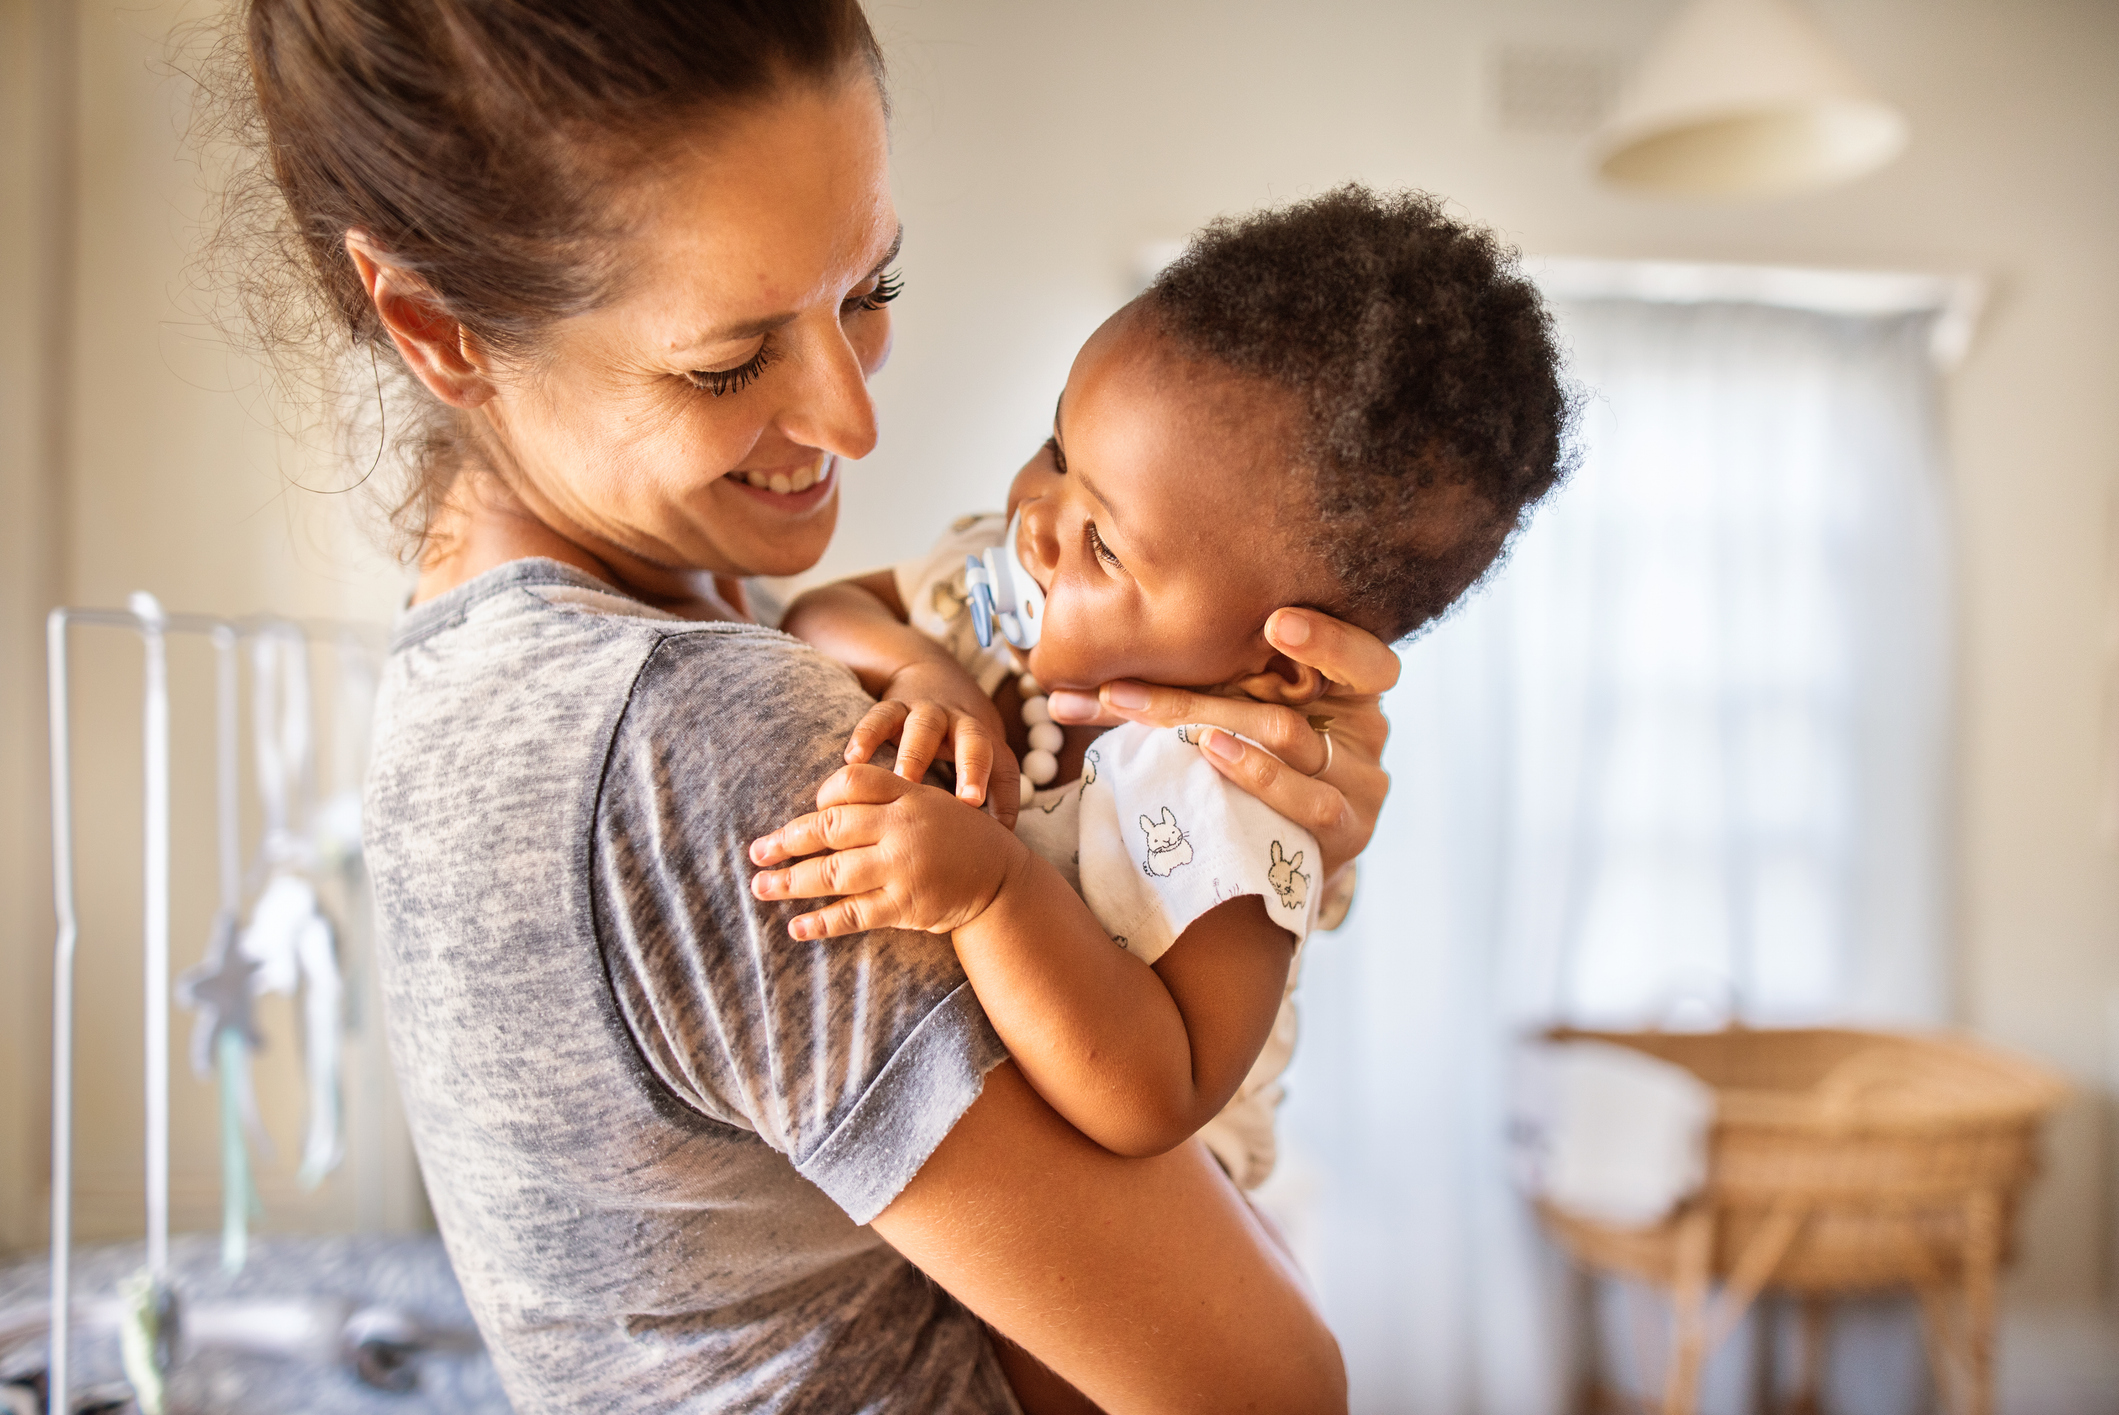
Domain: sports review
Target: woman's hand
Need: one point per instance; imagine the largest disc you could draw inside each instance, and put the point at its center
(1336, 790)
(899, 854)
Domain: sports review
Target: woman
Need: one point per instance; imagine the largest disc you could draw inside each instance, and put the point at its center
(635, 255)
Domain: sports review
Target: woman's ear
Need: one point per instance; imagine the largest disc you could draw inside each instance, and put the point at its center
(440, 352)
(1283, 681)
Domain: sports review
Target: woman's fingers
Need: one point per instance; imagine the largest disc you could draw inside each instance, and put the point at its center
(1285, 732)
(877, 726)
(1315, 805)
(1341, 811)
(1353, 658)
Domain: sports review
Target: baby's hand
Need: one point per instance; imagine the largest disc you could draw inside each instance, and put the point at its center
(927, 704)
(900, 854)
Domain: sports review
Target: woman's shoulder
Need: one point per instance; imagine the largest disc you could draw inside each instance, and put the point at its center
(541, 667)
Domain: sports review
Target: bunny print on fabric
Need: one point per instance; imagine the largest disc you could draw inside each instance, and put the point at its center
(1287, 879)
(1168, 846)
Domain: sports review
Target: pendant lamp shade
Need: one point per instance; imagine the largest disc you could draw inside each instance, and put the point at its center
(1745, 98)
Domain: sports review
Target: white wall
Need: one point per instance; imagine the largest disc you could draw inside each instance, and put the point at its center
(1037, 146)
(137, 453)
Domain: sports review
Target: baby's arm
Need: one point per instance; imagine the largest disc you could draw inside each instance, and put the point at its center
(925, 697)
(1136, 1058)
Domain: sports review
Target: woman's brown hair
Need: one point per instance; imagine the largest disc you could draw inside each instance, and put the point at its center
(479, 143)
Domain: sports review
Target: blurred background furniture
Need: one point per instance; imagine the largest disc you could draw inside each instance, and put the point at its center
(1840, 1162)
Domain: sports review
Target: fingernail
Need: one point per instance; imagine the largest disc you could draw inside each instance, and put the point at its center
(758, 849)
(801, 928)
(1131, 696)
(1068, 705)
(1222, 745)
(1289, 630)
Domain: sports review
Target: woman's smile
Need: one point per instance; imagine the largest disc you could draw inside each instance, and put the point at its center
(793, 487)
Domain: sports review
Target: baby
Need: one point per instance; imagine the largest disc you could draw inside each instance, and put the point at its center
(1349, 404)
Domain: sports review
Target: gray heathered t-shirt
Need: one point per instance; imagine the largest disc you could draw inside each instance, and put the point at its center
(653, 1125)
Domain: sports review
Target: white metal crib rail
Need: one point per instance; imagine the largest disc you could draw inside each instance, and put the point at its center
(146, 618)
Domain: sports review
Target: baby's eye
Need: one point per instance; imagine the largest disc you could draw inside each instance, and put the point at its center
(1103, 552)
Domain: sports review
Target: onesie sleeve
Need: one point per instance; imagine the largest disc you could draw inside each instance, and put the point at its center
(1165, 837)
(931, 588)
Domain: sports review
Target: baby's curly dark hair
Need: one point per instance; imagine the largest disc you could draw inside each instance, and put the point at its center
(1433, 414)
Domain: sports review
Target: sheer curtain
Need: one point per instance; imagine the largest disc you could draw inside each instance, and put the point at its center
(1682, 760)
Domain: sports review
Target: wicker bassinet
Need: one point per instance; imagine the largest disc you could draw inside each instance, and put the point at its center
(1840, 1162)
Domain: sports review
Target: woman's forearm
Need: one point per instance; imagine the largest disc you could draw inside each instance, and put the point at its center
(1147, 1284)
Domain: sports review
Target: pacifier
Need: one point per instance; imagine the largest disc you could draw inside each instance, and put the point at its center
(1003, 593)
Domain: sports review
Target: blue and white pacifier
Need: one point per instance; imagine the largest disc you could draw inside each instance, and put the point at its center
(1003, 592)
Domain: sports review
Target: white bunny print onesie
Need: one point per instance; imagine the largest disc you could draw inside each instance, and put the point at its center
(1151, 836)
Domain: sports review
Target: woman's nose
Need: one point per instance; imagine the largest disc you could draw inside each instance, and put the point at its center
(831, 408)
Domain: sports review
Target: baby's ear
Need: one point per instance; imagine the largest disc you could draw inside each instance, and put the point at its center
(1283, 681)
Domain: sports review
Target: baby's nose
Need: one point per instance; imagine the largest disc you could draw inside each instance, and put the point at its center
(1039, 546)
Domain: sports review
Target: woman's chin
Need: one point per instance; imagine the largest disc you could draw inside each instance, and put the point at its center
(772, 532)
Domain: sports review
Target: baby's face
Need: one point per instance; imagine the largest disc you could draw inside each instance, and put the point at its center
(1161, 518)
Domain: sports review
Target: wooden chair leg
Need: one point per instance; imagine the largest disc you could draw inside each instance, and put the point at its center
(1982, 1259)
(1810, 1389)
(1688, 1311)
(1945, 1360)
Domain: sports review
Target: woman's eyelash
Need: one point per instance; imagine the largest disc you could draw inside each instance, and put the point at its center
(1103, 552)
(886, 290)
(718, 382)
(1059, 458)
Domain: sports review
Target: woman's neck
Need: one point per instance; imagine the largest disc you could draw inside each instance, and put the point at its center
(482, 525)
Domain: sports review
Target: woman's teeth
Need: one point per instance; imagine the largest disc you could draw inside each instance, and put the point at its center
(782, 484)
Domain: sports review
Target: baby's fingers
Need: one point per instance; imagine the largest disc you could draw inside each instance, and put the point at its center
(926, 724)
(877, 726)
(974, 761)
(839, 827)
(847, 916)
(842, 872)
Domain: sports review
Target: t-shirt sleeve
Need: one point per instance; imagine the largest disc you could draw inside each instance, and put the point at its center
(1165, 837)
(851, 1056)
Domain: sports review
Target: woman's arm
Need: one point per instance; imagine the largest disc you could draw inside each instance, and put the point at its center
(1147, 1284)
(1137, 1058)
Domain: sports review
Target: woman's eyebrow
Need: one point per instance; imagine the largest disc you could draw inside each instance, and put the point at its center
(753, 328)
